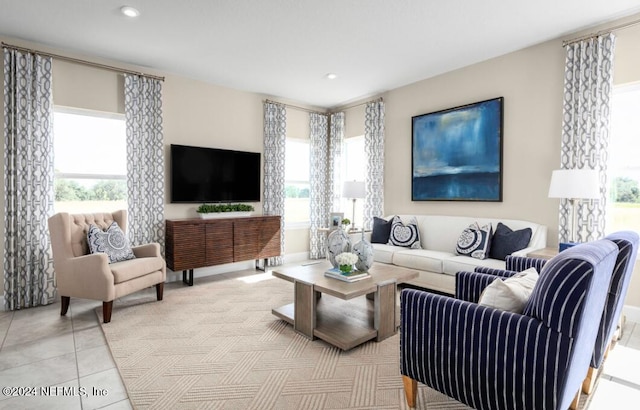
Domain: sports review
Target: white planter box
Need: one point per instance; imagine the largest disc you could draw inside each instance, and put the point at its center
(214, 215)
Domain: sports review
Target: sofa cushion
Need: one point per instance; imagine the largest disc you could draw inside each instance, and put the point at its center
(510, 294)
(113, 242)
(134, 268)
(457, 263)
(475, 241)
(384, 253)
(381, 230)
(405, 235)
(506, 241)
(421, 259)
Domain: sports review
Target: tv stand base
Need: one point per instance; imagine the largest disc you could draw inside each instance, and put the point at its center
(187, 277)
(261, 264)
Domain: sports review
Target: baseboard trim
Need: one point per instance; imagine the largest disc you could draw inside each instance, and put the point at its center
(632, 313)
(231, 267)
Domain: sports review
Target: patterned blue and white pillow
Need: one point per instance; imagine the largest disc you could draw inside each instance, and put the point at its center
(405, 235)
(475, 241)
(113, 242)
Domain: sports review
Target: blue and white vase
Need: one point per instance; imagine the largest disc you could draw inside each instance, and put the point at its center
(364, 250)
(337, 242)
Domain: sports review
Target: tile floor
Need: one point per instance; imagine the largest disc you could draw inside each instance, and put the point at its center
(69, 357)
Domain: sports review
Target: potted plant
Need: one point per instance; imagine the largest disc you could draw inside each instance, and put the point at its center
(345, 222)
(224, 210)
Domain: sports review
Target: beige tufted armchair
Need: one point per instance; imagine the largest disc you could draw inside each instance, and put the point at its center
(90, 276)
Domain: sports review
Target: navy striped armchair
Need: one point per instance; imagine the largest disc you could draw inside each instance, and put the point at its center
(470, 285)
(492, 359)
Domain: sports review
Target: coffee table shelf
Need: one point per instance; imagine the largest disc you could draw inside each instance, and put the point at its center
(343, 329)
(346, 318)
(284, 312)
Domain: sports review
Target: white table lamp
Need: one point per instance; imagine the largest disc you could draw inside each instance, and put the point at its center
(574, 185)
(353, 190)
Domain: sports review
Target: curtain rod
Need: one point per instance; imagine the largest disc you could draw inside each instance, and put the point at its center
(324, 113)
(379, 99)
(79, 61)
(601, 32)
(293, 106)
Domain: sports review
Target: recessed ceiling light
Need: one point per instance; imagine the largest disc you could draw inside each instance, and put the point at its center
(129, 11)
(331, 76)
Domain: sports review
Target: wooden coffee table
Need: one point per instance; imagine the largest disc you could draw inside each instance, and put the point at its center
(344, 325)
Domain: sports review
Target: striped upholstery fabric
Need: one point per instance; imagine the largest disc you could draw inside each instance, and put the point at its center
(495, 271)
(520, 263)
(469, 285)
(627, 242)
(491, 359)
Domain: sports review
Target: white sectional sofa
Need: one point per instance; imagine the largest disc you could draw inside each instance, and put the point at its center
(437, 261)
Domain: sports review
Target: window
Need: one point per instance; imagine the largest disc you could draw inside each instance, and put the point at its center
(89, 160)
(353, 169)
(296, 181)
(623, 208)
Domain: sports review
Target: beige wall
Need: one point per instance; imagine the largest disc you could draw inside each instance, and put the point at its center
(86, 87)
(354, 121)
(532, 121)
(207, 115)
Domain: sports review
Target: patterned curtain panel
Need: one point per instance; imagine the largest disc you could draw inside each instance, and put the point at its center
(336, 149)
(28, 180)
(374, 151)
(145, 159)
(588, 83)
(275, 130)
(319, 197)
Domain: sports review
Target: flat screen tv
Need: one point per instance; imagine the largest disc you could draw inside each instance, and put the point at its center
(203, 175)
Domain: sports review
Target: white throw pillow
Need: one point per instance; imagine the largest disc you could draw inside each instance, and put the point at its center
(512, 293)
(113, 242)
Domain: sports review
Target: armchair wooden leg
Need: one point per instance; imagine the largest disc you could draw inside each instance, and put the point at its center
(159, 290)
(65, 304)
(410, 390)
(107, 307)
(589, 380)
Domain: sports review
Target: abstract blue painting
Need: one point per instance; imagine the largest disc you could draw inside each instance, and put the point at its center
(457, 153)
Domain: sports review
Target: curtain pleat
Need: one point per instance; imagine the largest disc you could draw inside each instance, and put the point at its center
(318, 180)
(275, 130)
(28, 180)
(588, 82)
(145, 159)
(374, 152)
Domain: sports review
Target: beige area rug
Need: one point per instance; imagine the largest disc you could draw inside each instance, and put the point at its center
(216, 345)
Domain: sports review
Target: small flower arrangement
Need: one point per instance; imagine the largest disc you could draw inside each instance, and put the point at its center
(346, 260)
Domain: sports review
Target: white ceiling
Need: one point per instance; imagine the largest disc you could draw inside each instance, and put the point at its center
(284, 48)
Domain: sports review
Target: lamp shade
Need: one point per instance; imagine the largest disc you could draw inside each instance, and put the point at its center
(574, 184)
(353, 189)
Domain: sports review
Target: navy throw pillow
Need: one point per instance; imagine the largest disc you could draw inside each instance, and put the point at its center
(506, 241)
(381, 230)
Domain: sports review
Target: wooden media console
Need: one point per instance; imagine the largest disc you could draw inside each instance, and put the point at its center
(198, 243)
